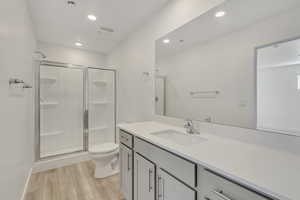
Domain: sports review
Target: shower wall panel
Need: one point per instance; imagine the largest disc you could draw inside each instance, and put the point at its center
(101, 104)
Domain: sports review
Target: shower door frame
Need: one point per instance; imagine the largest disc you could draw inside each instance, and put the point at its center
(85, 121)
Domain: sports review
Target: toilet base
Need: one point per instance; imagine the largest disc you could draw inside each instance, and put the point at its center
(105, 167)
(105, 172)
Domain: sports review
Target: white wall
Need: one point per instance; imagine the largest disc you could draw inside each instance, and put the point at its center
(207, 67)
(72, 55)
(136, 55)
(16, 116)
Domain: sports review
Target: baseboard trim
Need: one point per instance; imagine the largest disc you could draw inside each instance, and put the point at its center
(26, 184)
(61, 161)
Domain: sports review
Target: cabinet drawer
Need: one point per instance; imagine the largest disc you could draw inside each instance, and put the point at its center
(175, 165)
(214, 187)
(126, 138)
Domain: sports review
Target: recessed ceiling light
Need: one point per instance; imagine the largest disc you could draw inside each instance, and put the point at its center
(92, 17)
(220, 13)
(79, 44)
(166, 41)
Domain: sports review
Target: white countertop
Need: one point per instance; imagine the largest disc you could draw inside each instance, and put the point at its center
(272, 172)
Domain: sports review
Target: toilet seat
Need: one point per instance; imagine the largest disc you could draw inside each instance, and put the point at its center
(103, 148)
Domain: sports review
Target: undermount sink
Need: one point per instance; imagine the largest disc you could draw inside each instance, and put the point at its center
(179, 137)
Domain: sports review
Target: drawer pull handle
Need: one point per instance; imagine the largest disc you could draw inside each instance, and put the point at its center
(159, 188)
(221, 195)
(124, 138)
(128, 162)
(150, 184)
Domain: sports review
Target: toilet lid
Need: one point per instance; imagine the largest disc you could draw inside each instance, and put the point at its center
(103, 148)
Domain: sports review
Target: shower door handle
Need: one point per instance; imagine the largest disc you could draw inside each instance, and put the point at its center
(86, 120)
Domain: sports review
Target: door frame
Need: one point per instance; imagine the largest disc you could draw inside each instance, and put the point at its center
(164, 81)
(37, 110)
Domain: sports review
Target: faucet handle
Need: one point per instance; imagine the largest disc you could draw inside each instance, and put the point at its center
(188, 123)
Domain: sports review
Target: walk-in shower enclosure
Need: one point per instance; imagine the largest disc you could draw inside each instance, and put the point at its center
(75, 108)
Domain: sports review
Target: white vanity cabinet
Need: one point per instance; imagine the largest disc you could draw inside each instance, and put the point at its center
(175, 176)
(170, 188)
(126, 169)
(144, 179)
(162, 175)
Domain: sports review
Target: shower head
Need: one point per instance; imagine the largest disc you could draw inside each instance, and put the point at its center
(41, 54)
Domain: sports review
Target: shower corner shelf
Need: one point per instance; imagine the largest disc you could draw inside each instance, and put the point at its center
(49, 103)
(48, 80)
(100, 82)
(99, 102)
(51, 133)
(100, 128)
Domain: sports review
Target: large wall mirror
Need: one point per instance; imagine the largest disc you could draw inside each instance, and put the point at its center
(238, 64)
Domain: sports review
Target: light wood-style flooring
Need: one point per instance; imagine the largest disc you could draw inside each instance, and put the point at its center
(74, 182)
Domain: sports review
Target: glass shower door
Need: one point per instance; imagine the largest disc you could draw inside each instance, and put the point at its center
(61, 110)
(101, 104)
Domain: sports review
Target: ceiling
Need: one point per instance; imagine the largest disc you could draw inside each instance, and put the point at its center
(239, 14)
(56, 22)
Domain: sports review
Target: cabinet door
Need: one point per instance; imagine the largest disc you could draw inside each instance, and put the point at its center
(126, 172)
(144, 179)
(169, 188)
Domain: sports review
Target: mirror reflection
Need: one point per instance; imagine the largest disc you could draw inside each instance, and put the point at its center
(216, 67)
(278, 87)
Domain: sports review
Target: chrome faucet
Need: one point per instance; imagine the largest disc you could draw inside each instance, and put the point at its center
(189, 126)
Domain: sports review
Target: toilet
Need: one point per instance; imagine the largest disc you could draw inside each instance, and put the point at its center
(106, 159)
